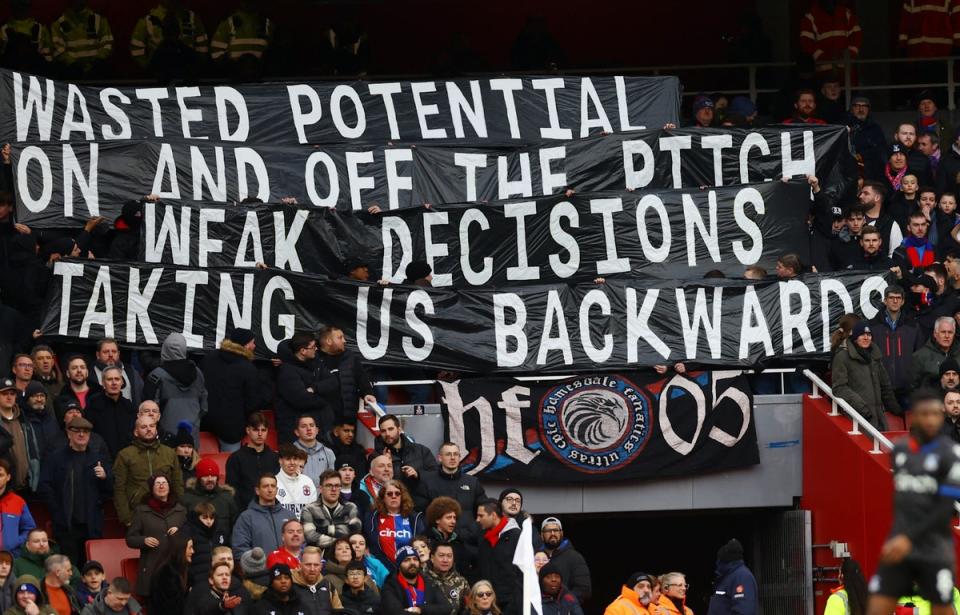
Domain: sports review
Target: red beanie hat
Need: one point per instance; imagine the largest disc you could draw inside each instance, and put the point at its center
(207, 467)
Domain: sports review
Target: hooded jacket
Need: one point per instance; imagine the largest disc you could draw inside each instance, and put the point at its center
(271, 604)
(205, 539)
(45, 609)
(234, 390)
(178, 387)
(134, 465)
(259, 526)
(627, 603)
(319, 460)
(223, 498)
(452, 585)
(364, 602)
(573, 569)
(860, 379)
(735, 590)
(352, 383)
(464, 488)
(68, 481)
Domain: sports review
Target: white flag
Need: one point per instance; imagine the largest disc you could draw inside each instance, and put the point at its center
(523, 559)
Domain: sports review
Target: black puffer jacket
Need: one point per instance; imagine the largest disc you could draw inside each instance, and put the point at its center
(204, 540)
(294, 378)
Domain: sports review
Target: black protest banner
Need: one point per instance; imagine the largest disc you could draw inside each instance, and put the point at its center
(671, 234)
(585, 327)
(652, 159)
(498, 111)
(63, 184)
(625, 426)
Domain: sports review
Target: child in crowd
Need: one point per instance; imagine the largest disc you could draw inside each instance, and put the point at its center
(348, 474)
(92, 585)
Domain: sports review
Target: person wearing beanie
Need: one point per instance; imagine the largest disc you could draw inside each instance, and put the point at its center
(206, 487)
(179, 387)
(125, 244)
(745, 108)
(279, 599)
(636, 596)
(418, 273)
(860, 379)
(735, 588)
(112, 414)
(234, 386)
(408, 588)
(949, 375)
(554, 595)
(28, 599)
(38, 414)
(256, 576)
(566, 559)
(182, 444)
(703, 112)
(75, 482)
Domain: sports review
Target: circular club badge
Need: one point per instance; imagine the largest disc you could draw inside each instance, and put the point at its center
(597, 424)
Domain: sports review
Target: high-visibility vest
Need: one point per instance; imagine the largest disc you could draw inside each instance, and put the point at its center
(826, 36)
(81, 38)
(148, 34)
(242, 34)
(929, 28)
(922, 607)
(31, 28)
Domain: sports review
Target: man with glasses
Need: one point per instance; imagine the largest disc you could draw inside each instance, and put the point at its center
(511, 504)
(408, 591)
(357, 596)
(897, 336)
(328, 519)
(449, 481)
(302, 385)
(673, 600)
(571, 565)
(75, 481)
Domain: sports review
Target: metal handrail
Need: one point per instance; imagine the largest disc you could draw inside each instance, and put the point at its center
(857, 419)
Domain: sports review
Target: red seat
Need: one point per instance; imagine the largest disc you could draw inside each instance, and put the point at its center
(208, 443)
(131, 570)
(895, 423)
(109, 552)
(221, 460)
(271, 419)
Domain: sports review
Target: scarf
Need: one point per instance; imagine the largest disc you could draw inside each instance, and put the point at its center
(493, 534)
(394, 531)
(927, 125)
(159, 507)
(415, 594)
(921, 247)
(895, 180)
(372, 485)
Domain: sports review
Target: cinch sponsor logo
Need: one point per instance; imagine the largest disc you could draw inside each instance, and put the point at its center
(388, 533)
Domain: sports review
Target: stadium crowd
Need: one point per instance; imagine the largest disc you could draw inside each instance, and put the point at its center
(299, 518)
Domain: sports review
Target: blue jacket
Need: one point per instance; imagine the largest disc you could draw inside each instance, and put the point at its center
(735, 591)
(60, 482)
(259, 526)
(16, 522)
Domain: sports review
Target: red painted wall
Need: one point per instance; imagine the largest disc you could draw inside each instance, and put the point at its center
(848, 490)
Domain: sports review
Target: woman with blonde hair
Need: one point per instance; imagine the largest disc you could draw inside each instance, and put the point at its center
(393, 524)
(481, 600)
